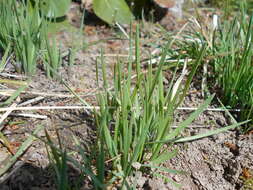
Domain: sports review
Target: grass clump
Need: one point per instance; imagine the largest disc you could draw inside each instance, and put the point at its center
(27, 37)
(24, 32)
(53, 59)
(234, 70)
(21, 25)
(6, 15)
(134, 122)
(229, 58)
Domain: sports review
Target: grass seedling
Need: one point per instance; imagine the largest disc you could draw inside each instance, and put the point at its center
(22, 25)
(134, 122)
(8, 163)
(7, 18)
(58, 159)
(234, 71)
(4, 61)
(27, 36)
(135, 119)
(230, 55)
(53, 59)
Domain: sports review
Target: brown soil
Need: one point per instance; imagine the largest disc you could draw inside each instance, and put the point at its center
(219, 162)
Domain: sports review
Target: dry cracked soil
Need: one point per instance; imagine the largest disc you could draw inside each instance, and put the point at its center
(219, 162)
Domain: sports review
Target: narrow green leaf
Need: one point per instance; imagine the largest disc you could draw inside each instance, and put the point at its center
(4, 58)
(165, 156)
(159, 70)
(25, 145)
(5, 141)
(190, 119)
(192, 73)
(101, 163)
(13, 96)
(210, 133)
(164, 169)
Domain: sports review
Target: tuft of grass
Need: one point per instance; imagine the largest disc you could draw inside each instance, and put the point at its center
(229, 56)
(24, 32)
(58, 159)
(134, 122)
(234, 71)
(53, 59)
(7, 16)
(21, 26)
(27, 36)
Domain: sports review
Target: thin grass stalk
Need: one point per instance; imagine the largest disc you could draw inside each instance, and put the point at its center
(26, 27)
(132, 123)
(7, 17)
(234, 71)
(53, 55)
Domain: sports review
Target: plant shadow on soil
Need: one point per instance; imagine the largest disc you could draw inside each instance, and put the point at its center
(36, 172)
(32, 177)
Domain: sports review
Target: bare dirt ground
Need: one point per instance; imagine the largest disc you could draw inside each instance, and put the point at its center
(221, 162)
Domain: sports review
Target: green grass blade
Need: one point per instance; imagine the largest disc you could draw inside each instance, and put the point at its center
(159, 70)
(192, 73)
(14, 96)
(165, 156)
(190, 119)
(164, 169)
(4, 58)
(210, 133)
(25, 145)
